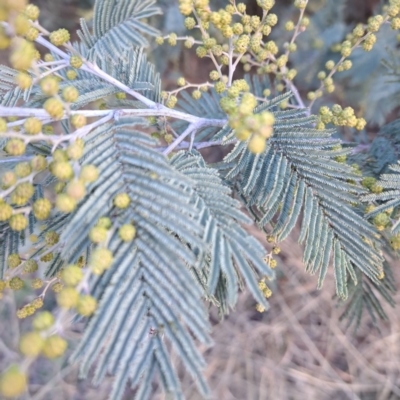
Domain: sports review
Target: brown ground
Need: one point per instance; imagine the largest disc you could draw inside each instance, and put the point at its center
(296, 350)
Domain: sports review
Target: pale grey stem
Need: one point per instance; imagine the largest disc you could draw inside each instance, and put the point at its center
(200, 145)
(191, 128)
(147, 112)
(191, 141)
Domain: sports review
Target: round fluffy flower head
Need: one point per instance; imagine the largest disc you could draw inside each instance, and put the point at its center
(381, 221)
(120, 95)
(271, 20)
(13, 382)
(86, 305)
(78, 121)
(172, 40)
(32, 12)
(37, 303)
(171, 102)
(41, 209)
(49, 85)
(185, 7)
(30, 266)
(214, 75)
(159, 40)
(33, 126)
(37, 283)
(368, 182)
(98, 234)
(43, 321)
(13, 260)
(18, 222)
(122, 200)
(31, 344)
(65, 203)
(32, 34)
(15, 147)
(72, 275)
(89, 173)
(247, 104)
(360, 124)
(3, 125)
(57, 287)
(68, 297)
(301, 4)
(59, 37)
(189, 43)
(257, 144)
(395, 242)
(76, 189)
(62, 170)
(21, 24)
(70, 94)
(127, 232)
(190, 23)
(21, 313)
(104, 222)
(8, 179)
(75, 61)
(55, 108)
(23, 80)
(38, 163)
(25, 189)
(54, 347)
(100, 260)
(266, 4)
(71, 74)
(16, 283)
(201, 52)
(242, 133)
(260, 308)
(47, 257)
(51, 238)
(196, 94)
(181, 81)
(5, 212)
(376, 189)
(276, 250)
(22, 169)
(273, 263)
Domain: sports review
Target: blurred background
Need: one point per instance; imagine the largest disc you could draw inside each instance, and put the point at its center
(299, 348)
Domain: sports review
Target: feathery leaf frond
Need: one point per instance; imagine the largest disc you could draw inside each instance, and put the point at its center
(117, 26)
(231, 251)
(290, 175)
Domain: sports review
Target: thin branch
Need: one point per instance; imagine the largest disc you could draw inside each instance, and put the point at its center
(199, 145)
(159, 112)
(191, 128)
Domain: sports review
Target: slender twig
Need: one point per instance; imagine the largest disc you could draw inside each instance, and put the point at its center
(199, 145)
(161, 112)
(191, 128)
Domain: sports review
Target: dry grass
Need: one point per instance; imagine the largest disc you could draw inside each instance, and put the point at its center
(296, 350)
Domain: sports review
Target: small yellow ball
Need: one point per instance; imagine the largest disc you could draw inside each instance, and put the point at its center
(54, 347)
(86, 305)
(49, 85)
(68, 298)
(13, 382)
(257, 144)
(70, 94)
(122, 200)
(31, 344)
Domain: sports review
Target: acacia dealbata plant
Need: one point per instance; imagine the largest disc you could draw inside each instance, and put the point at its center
(107, 201)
